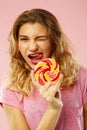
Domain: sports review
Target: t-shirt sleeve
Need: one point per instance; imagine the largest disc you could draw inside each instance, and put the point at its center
(83, 78)
(10, 97)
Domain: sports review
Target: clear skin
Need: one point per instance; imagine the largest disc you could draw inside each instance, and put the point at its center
(34, 42)
(34, 45)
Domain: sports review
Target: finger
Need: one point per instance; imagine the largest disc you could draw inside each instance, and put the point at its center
(58, 83)
(49, 92)
(54, 90)
(45, 87)
(61, 78)
(53, 100)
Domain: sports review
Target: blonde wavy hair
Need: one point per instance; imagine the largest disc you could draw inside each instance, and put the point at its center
(19, 79)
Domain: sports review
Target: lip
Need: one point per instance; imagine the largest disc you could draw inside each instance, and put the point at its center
(35, 54)
(35, 57)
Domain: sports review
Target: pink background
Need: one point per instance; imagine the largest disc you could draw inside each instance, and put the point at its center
(72, 15)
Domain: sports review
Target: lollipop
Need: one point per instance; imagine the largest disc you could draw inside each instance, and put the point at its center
(46, 70)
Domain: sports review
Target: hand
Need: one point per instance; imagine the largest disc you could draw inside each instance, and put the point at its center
(50, 91)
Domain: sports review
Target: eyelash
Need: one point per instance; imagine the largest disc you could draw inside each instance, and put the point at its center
(38, 39)
(41, 39)
(22, 39)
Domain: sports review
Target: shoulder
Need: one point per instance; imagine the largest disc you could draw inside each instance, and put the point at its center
(83, 69)
(10, 97)
(82, 82)
(82, 73)
(15, 118)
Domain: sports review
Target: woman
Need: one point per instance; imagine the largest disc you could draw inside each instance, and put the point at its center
(61, 105)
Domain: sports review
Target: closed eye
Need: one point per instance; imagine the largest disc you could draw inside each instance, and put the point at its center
(23, 38)
(42, 38)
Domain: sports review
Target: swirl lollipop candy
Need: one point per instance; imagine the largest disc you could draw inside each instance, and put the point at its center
(47, 70)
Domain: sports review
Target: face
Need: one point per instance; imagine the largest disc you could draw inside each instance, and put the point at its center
(34, 43)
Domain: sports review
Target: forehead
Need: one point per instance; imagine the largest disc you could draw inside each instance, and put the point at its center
(33, 28)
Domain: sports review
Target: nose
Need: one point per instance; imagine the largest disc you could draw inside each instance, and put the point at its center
(32, 46)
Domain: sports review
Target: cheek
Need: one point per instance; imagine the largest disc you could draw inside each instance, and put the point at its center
(48, 48)
(22, 50)
(49, 52)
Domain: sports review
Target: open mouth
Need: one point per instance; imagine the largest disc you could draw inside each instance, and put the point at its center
(35, 57)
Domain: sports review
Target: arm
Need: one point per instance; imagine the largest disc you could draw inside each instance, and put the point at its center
(49, 119)
(85, 116)
(50, 92)
(15, 118)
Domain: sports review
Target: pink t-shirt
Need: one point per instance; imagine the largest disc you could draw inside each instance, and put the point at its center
(34, 106)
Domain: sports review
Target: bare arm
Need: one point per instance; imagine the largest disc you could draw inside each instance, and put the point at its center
(15, 118)
(85, 116)
(49, 119)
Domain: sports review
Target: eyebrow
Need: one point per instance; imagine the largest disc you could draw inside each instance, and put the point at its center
(22, 36)
(41, 36)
